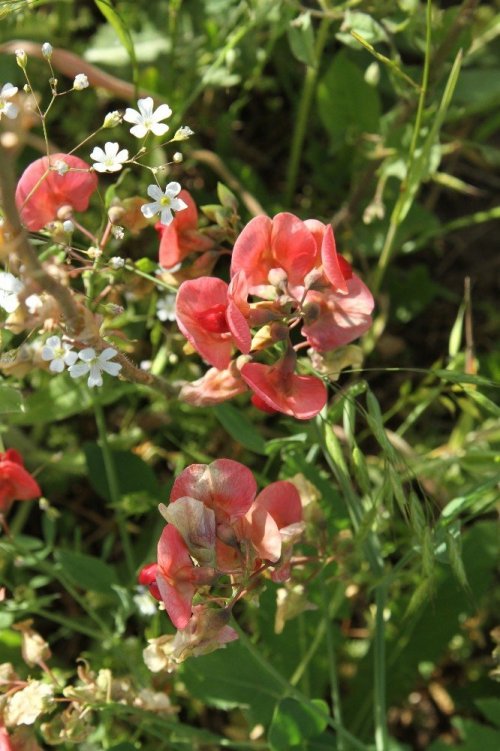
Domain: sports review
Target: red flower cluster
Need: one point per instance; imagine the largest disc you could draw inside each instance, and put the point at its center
(16, 483)
(50, 183)
(218, 526)
(295, 276)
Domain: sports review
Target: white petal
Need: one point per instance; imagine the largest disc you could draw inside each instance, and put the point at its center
(166, 216)
(155, 192)
(111, 148)
(159, 129)
(150, 209)
(113, 368)
(87, 354)
(70, 357)
(173, 189)
(57, 365)
(145, 107)
(132, 116)
(178, 204)
(9, 283)
(53, 341)
(8, 302)
(79, 369)
(8, 90)
(162, 112)
(95, 377)
(47, 353)
(139, 131)
(114, 167)
(107, 354)
(100, 167)
(97, 154)
(122, 155)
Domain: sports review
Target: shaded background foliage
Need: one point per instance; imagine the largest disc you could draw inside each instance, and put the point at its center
(292, 109)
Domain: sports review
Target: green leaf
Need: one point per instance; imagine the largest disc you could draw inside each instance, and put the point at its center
(301, 39)
(294, 722)
(490, 707)
(347, 105)
(133, 474)
(11, 400)
(114, 19)
(86, 571)
(240, 428)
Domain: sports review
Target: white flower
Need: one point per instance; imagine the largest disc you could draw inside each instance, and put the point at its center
(10, 287)
(60, 167)
(164, 203)
(146, 120)
(117, 232)
(94, 364)
(165, 308)
(7, 108)
(116, 262)
(109, 160)
(47, 50)
(33, 303)
(58, 353)
(81, 82)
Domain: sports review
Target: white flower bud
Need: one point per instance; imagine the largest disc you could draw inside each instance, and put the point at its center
(116, 262)
(47, 50)
(112, 119)
(81, 82)
(68, 226)
(177, 157)
(21, 58)
(60, 167)
(183, 133)
(117, 232)
(94, 253)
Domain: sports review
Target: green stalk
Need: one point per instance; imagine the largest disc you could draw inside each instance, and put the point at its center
(395, 219)
(381, 733)
(302, 117)
(114, 489)
(290, 690)
(332, 660)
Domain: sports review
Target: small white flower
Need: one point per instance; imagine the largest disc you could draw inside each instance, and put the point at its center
(164, 202)
(60, 167)
(95, 364)
(33, 303)
(116, 262)
(112, 119)
(177, 157)
(146, 119)
(110, 159)
(47, 50)
(10, 287)
(7, 108)
(58, 353)
(81, 82)
(165, 308)
(68, 226)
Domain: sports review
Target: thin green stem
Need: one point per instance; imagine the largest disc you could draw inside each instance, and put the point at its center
(72, 624)
(395, 219)
(332, 659)
(290, 690)
(302, 117)
(114, 488)
(381, 733)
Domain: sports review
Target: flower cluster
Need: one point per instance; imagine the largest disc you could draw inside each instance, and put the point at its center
(16, 483)
(87, 361)
(287, 280)
(218, 526)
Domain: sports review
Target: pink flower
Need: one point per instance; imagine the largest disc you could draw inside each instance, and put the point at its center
(181, 237)
(147, 577)
(209, 314)
(283, 242)
(225, 486)
(41, 191)
(281, 389)
(16, 483)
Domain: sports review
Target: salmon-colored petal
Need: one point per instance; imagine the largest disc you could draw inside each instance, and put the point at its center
(173, 553)
(252, 251)
(41, 192)
(261, 529)
(330, 261)
(293, 247)
(282, 500)
(302, 397)
(178, 600)
(214, 387)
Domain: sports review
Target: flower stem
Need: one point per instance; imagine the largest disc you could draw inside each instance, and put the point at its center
(303, 113)
(332, 659)
(114, 488)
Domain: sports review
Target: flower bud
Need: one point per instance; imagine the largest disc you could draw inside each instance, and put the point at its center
(81, 82)
(68, 226)
(47, 50)
(183, 133)
(21, 58)
(177, 157)
(112, 119)
(116, 262)
(60, 167)
(117, 232)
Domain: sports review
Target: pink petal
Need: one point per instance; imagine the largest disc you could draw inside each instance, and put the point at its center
(173, 553)
(302, 397)
(41, 193)
(330, 260)
(262, 530)
(294, 248)
(214, 387)
(282, 500)
(178, 600)
(252, 251)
